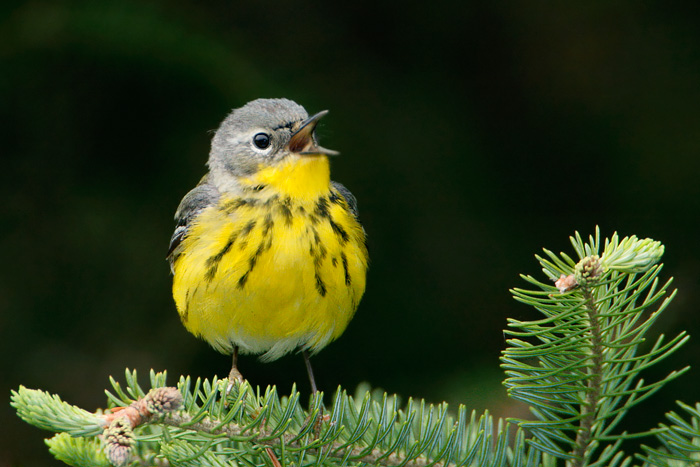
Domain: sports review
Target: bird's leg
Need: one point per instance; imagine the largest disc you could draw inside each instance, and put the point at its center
(234, 374)
(310, 371)
(314, 390)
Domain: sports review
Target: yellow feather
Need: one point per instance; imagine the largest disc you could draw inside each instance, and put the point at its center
(279, 269)
(302, 177)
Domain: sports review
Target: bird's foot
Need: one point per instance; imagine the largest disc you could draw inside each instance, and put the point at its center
(234, 377)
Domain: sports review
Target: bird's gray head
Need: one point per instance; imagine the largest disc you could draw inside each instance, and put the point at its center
(263, 133)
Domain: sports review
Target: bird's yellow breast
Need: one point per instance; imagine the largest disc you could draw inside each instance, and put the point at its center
(281, 267)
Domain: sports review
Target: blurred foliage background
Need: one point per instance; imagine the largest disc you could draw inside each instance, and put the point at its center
(472, 133)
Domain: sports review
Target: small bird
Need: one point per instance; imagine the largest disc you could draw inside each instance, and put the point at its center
(268, 254)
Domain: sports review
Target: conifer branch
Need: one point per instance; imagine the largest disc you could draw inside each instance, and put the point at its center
(579, 368)
(595, 371)
(247, 424)
(587, 349)
(680, 440)
(266, 437)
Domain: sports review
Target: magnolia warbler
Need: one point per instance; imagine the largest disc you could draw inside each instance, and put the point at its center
(268, 254)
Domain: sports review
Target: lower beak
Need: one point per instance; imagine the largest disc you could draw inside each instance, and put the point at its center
(302, 141)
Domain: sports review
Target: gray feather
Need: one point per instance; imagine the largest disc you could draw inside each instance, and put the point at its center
(199, 198)
(349, 198)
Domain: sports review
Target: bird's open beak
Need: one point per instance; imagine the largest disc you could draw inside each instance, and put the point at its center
(302, 141)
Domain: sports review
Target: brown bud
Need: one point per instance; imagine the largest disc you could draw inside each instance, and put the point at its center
(119, 439)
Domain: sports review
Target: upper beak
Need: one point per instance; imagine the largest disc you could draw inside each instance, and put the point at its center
(302, 141)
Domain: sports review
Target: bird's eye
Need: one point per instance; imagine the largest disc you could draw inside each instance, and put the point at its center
(261, 140)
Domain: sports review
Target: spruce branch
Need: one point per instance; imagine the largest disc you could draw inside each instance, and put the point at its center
(680, 440)
(201, 419)
(49, 412)
(579, 366)
(115, 426)
(79, 452)
(595, 372)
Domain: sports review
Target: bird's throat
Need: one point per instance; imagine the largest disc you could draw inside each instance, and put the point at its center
(302, 177)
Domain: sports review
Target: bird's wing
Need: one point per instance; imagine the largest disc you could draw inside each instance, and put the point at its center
(349, 198)
(199, 198)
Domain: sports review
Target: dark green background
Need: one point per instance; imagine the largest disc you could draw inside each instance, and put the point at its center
(473, 134)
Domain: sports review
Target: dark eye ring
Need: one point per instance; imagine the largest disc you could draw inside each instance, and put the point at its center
(261, 140)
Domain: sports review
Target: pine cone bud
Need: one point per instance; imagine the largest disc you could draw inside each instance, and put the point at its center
(588, 270)
(119, 438)
(160, 401)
